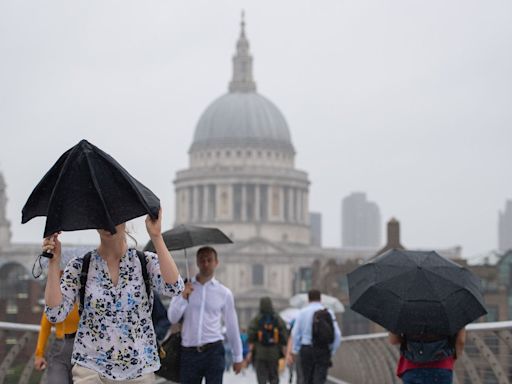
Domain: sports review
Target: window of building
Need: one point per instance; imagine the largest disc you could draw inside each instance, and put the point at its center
(257, 274)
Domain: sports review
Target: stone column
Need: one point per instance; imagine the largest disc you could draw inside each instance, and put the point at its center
(299, 206)
(256, 202)
(244, 203)
(206, 205)
(289, 201)
(305, 206)
(195, 203)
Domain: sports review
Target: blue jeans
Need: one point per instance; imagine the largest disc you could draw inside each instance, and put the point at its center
(208, 364)
(427, 376)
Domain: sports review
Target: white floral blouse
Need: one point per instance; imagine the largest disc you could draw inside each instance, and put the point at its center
(115, 336)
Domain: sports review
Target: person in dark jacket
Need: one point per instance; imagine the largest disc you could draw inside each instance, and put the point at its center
(267, 342)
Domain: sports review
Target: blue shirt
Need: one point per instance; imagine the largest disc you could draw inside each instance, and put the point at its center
(303, 328)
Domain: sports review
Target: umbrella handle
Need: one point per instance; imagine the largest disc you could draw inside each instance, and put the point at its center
(46, 254)
(186, 265)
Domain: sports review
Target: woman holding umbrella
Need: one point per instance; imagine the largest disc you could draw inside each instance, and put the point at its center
(115, 338)
(424, 300)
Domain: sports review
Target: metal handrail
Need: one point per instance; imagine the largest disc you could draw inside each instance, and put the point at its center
(487, 357)
(364, 359)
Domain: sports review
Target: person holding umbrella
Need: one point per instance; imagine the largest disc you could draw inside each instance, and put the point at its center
(115, 338)
(428, 359)
(204, 305)
(424, 300)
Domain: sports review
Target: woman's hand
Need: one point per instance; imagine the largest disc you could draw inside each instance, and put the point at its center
(52, 245)
(154, 227)
(52, 294)
(168, 267)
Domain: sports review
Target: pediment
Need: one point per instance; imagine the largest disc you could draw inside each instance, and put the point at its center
(258, 246)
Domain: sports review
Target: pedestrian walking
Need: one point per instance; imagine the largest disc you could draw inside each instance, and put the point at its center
(115, 340)
(293, 361)
(268, 337)
(57, 362)
(316, 337)
(204, 305)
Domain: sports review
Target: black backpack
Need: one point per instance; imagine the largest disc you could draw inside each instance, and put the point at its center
(268, 330)
(85, 271)
(323, 329)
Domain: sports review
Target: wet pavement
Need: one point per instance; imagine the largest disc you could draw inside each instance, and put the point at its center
(249, 376)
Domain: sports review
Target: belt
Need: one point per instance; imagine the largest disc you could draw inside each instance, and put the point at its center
(204, 347)
(70, 335)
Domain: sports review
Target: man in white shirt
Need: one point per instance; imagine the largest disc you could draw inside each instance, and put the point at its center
(315, 358)
(205, 305)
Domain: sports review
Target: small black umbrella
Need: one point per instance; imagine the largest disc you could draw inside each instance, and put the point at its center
(87, 189)
(416, 292)
(186, 236)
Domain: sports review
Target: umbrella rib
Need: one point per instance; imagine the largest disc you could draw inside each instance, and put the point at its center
(97, 188)
(130, 179)
(65, 166)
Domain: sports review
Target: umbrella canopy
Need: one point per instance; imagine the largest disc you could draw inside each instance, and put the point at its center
(186, 236)
(301, 300)
(416, 292)
(87, 189)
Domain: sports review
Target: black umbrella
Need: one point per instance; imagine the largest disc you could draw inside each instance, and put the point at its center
(87, 189)
(186, 236)
(416, 292)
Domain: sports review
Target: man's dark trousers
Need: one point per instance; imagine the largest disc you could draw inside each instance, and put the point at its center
(315, 363)
(267, 371)
(208, 364)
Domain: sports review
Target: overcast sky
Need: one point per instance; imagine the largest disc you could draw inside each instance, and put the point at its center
(408, 101)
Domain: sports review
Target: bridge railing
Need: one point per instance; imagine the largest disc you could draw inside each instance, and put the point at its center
(361, 359)
(17, 347)
(370, 359)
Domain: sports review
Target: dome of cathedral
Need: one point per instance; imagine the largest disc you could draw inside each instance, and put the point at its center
(242, 118)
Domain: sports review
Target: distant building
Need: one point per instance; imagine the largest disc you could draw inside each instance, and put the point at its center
(361, 223)
(242, 179)
(393, 238)
(505, 228)
(315, 226)
(5, 225)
